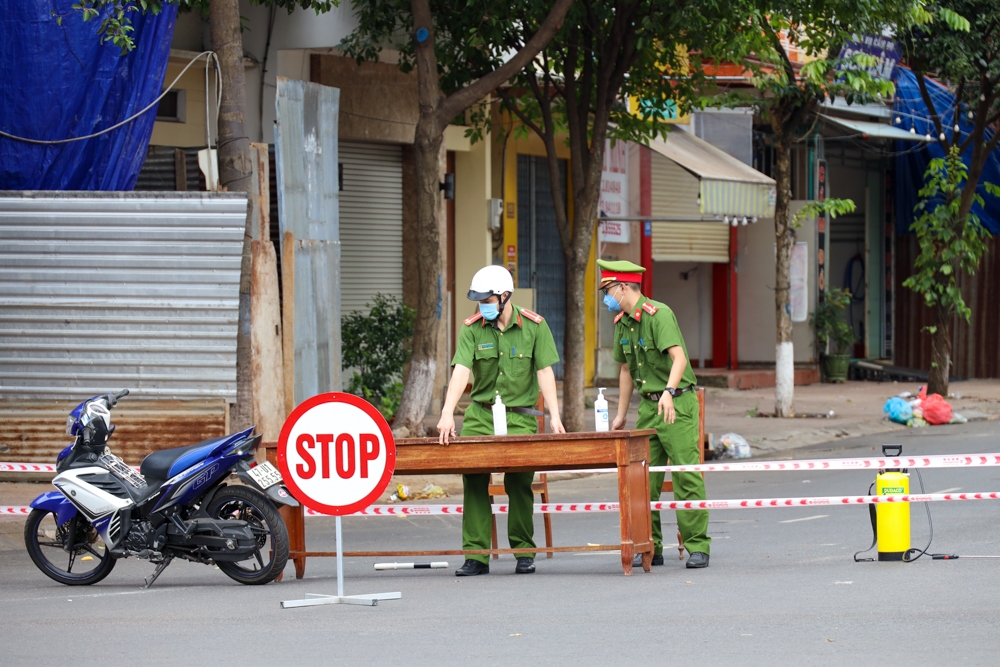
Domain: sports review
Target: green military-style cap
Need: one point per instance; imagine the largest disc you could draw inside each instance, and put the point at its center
(622, 271)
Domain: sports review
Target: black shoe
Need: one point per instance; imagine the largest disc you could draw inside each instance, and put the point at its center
(637, 561)
(697, 559)
(472, 568)
(525, 566)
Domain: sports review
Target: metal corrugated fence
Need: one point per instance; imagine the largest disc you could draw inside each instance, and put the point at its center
(102, 291)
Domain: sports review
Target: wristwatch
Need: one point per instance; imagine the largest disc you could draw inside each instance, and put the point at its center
(672, 392)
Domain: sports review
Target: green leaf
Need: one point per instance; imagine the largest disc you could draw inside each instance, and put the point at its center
(954, 20)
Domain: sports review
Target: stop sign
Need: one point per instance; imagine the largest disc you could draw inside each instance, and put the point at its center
(336, 453)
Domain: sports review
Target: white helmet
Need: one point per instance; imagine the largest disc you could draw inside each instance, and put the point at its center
(490, 280)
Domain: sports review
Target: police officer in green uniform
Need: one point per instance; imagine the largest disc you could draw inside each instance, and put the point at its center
(654, 359)
(510, 352)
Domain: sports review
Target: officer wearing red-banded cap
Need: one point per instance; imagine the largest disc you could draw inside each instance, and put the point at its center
(654, 359)
(510, 352)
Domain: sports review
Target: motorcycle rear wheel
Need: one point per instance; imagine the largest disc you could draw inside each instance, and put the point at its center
(246, 504)
(43, 548)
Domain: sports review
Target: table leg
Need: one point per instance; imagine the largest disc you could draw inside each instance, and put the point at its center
(294, 518)
(634, 515)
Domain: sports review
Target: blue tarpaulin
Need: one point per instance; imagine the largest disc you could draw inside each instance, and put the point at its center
(59, 81)
(912, 161)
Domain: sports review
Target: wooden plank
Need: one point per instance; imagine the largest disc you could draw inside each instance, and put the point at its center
(455, 552)
(266, 366)
(260, 192)
(288, 318)
(180, 170)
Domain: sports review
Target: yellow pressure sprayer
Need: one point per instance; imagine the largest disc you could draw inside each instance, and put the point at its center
(890, 521)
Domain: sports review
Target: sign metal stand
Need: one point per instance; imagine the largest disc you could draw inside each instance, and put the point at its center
(314, 599)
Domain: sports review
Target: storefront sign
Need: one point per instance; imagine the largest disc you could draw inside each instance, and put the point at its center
(799, 279)
(613, 202)
(884, 49)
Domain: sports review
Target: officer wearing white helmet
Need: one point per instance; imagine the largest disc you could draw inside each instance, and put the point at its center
(510, 351)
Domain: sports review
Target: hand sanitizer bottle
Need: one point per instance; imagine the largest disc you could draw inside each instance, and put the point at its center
(601, 412)
(499, 417)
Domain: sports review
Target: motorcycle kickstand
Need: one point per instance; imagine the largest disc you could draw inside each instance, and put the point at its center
(157, 572)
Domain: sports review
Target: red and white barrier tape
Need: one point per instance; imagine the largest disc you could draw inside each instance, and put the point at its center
(573, 508)
(873, 463)
(27, 467)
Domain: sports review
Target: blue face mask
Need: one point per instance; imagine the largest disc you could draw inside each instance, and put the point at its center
(489, 311)
(612, 303)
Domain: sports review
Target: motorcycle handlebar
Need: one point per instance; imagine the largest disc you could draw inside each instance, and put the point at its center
(114, 398)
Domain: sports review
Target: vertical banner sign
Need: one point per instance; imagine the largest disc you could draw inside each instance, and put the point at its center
(799, 279)
(890, 239)
(613, 202)
(821, 230)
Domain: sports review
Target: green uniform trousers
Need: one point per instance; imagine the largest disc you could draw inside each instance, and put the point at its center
(477, 514)
(678, 444)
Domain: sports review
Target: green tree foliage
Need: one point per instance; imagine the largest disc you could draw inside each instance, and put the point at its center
(377, 346)
(962, 50)
(787, 95)
(950, 242)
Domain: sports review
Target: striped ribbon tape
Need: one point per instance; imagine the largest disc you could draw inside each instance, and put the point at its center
(572, 508)
(873, 463)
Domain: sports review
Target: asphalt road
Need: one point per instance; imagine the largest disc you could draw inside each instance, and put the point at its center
(782, 589)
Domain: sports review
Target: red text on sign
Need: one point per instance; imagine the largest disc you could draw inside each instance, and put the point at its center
(349, 456)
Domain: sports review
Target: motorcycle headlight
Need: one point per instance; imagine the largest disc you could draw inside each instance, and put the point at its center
(70, 421)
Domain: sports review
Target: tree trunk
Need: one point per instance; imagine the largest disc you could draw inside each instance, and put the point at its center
(937, 382)
(427, 329)
(234, 175)
(784, 235)
(577, 257)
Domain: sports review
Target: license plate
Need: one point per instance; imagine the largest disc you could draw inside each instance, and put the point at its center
(265, 475)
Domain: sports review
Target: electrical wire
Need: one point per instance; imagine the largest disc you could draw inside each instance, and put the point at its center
(930, 526)
(137, 114)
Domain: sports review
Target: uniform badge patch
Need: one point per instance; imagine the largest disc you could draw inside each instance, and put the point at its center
(485, 346)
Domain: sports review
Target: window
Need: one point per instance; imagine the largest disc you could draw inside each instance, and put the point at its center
(172, 107)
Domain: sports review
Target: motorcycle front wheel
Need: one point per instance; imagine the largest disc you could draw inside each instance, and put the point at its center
(240, 503)
(86, 561)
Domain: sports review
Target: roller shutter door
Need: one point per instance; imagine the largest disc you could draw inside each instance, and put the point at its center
(371, 223)
(674, 194)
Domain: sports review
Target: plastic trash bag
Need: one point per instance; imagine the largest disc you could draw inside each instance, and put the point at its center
(898, 410)
(936, 410)
(732, 446)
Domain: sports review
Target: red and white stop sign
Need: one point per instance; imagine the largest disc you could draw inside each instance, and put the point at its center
(336, 453)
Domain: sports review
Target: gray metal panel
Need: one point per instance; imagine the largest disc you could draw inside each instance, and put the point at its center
(306, 165)
(102, 291)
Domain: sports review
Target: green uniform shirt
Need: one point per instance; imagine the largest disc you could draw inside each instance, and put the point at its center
(505, 363)
(642, 338)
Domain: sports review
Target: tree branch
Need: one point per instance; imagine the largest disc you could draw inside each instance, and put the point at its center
(926, 96)
(462, 99)
(776, 44)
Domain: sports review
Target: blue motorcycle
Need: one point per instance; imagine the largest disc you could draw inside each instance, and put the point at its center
(182, 503)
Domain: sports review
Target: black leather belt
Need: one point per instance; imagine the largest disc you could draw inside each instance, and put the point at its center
(522, 411)
(657, 395)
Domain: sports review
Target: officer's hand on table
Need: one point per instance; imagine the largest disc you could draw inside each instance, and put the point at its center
(666, 408)
(555, 423)
(619, 423)
(446, 427)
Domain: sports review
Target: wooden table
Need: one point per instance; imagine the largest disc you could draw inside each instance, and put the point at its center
(626, 450)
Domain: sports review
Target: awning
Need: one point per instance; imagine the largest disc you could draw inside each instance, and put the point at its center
(870, 130)
(727, 186)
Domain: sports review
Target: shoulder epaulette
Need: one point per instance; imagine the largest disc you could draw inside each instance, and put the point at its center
(534, 317)
(473, 319)
(650, 308)
(619, 316)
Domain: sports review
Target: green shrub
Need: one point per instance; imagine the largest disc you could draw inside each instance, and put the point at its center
(377, 345)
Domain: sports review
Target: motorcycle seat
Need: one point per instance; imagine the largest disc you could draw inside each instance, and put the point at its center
(166, 463)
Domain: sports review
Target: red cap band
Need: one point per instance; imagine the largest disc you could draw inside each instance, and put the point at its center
(619, 277)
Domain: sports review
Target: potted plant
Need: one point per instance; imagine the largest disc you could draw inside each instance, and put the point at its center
(830, 327)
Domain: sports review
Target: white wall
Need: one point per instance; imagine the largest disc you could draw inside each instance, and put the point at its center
(755, 265)
(693, 315)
